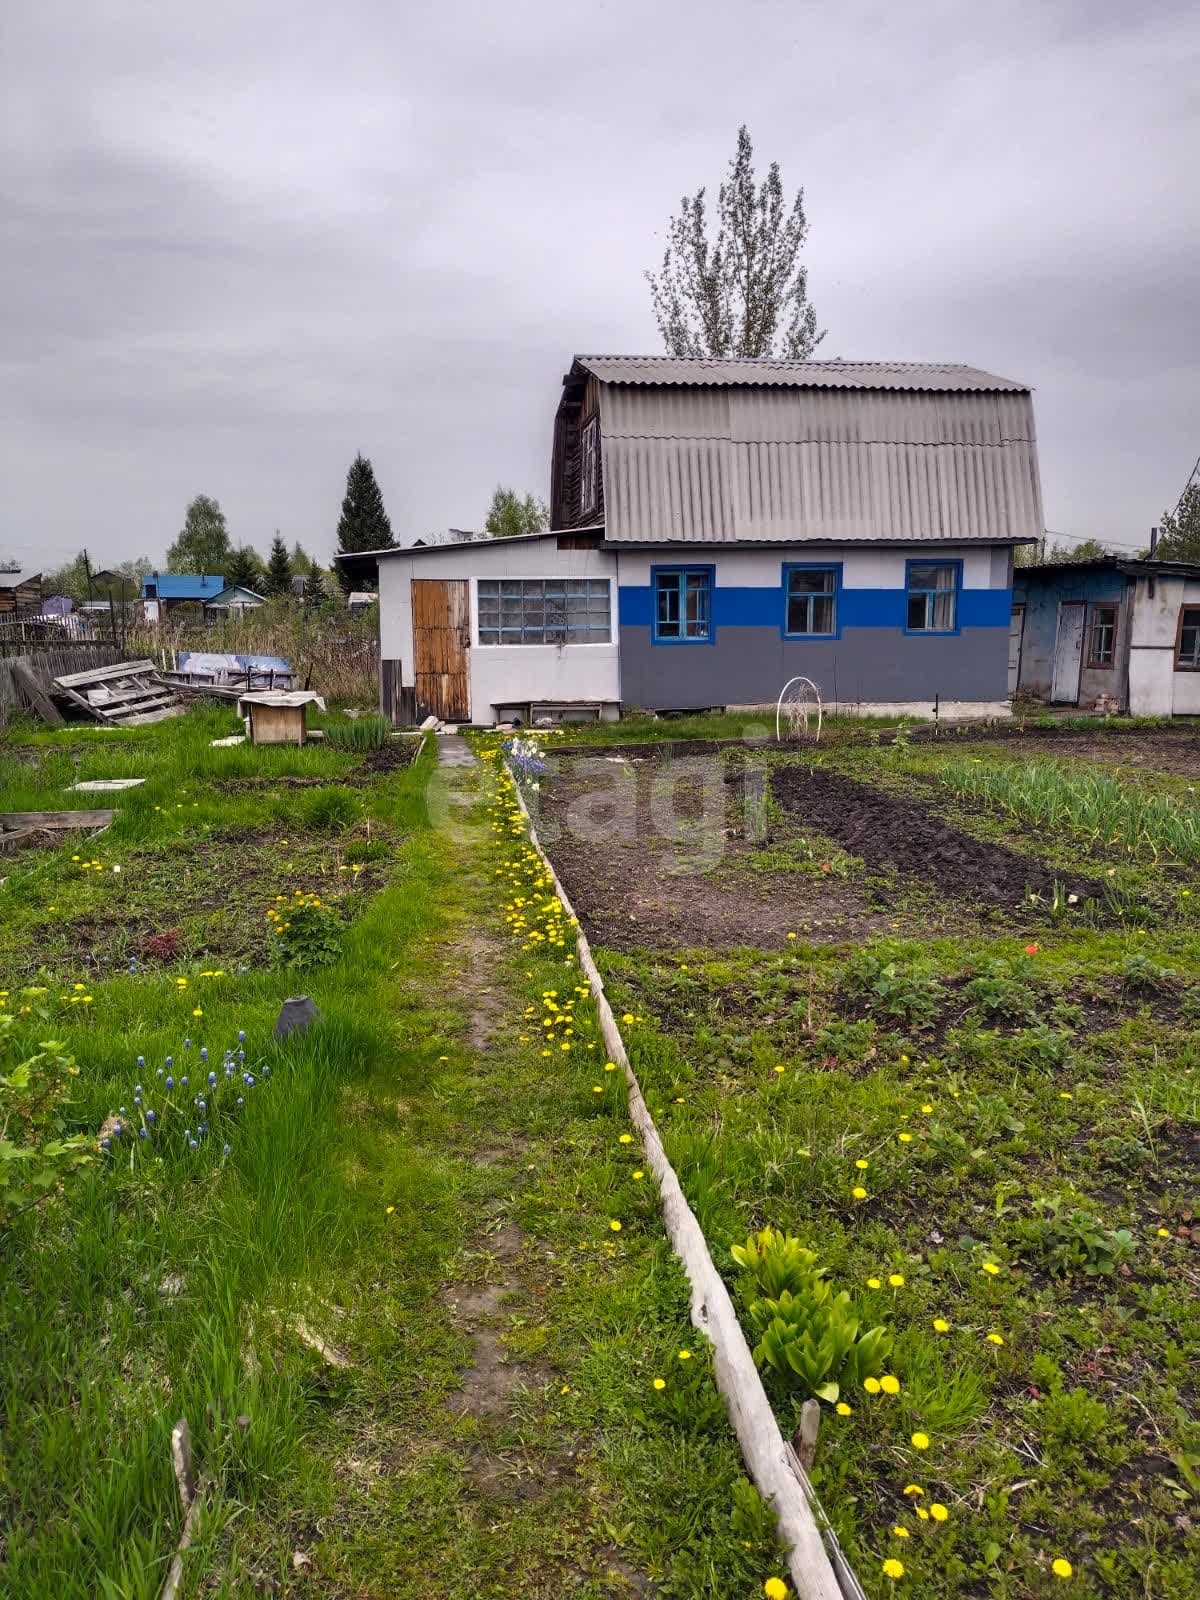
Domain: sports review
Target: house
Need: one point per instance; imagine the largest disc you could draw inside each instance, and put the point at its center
(232, 602)
(163, 591)
(723, 526)
(1118, 634)
(20, 592)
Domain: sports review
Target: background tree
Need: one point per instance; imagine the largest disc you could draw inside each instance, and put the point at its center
(1051, 550)
(203, 544)
(303, 565)
(509, 514)
(279, 567)
(744, 293)
(363, 524)
(245, 567)
(1179, 530)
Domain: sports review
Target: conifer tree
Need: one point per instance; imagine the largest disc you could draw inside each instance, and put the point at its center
(279, 568)
(363, 524)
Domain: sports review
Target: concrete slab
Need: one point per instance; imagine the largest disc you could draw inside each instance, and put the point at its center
(105, 785)
(454, 751)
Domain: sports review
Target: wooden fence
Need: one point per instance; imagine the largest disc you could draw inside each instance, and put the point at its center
(45, 666)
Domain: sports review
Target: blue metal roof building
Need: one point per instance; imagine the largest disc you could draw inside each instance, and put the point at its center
(181, 586)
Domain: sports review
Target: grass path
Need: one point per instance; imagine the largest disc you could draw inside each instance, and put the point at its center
(425, 1186)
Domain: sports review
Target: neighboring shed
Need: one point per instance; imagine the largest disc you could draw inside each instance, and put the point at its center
(163, 591)
(1121, 634)
(20, 592)
(233, 600)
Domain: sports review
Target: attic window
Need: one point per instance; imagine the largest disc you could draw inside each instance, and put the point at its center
(589, 467)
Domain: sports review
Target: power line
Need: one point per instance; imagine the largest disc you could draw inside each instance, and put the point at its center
(1186, 487)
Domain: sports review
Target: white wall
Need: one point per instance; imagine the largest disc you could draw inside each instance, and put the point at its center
(984, 566)
(1155, 688)
(503, 674)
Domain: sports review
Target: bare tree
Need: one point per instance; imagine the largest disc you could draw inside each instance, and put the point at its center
(746, 292)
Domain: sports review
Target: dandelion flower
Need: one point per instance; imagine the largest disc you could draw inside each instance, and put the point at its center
(940, 1325)
(1061, 1567)
(938, 1512)
(904, 1138)
(926, 1110)
(625, 1138)
(889, 1384)
(627, 1018)
(388, 1211)
(896, 1279)
(859, 1192)
(843, 1410)
(660, 1383)
(899, 1531)
(874, 1283)
(913, 1489)
(920, 1441)
(685, 1355)
(995, 1338)
(862, 1165)
(775, 1589)
(196, 1012)
(639, 1173)
(615, 1225)
(893, 1569)
(871, 1385)
(991, 1268)
(1164, 1233)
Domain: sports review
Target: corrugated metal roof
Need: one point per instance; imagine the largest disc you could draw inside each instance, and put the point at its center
(937, 377)
(806, 463)
(184, 585)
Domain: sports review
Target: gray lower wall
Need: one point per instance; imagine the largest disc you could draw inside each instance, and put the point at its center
(749, 666)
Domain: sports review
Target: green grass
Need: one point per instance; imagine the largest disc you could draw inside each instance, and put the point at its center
(416, 1145)
(1037, 1112)
(360, 733)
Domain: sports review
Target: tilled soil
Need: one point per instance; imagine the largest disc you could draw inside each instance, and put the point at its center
(901, 836)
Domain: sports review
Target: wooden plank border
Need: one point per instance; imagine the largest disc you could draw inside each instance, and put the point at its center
(819, 1569)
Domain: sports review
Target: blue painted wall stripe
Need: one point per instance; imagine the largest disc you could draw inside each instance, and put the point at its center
(858, 608)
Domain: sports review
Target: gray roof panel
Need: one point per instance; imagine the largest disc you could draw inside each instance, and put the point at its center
(921, 376)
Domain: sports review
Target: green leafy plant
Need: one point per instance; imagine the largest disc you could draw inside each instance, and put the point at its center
(36, 1152)
(330, 810)
(1139, 972)
(810, 1336)
(1001, 989)
(306, 933)
(891, 988)
(846, 1041)
(812, 1341)
(1070, 1240)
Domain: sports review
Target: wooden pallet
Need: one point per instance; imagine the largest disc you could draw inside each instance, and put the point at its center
(125, 696)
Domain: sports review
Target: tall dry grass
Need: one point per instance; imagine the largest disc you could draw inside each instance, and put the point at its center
(330, 651)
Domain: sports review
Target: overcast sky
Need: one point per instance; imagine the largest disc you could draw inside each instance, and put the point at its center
(241, 240)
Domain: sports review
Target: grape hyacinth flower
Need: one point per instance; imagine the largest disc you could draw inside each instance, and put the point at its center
(226, 1150)
(170, 1083)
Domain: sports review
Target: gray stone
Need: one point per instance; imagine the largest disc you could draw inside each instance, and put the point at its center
(296, 1015)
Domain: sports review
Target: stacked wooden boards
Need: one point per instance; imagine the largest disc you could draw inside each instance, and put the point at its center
(124, 696)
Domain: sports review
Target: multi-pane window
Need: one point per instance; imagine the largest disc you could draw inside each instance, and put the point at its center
(1187, 653)
(544, 611)
(589, 467)
(932, 596)
(683, 605)
(811, 600)
(1102, 636)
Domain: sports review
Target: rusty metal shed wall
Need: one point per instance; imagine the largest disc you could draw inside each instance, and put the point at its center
(725, 463)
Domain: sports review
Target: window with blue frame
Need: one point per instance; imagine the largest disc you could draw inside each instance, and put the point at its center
(811, 601)
(682, 605)
(932, 597)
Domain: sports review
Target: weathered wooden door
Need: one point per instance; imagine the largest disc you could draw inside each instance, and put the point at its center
(1068, 652)
(441, 634)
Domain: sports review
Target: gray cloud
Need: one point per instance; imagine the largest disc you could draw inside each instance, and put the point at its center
(239, 245)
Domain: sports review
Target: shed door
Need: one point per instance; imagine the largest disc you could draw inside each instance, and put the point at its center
(1016, 631)
(1068, 652)
(441, 635)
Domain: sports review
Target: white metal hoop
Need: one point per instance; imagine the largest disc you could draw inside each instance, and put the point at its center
(798, 710)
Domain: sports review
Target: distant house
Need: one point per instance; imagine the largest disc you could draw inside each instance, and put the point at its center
(1108, 633)
(20, 592)
(721, 527)
(233, 601)
(163, 591)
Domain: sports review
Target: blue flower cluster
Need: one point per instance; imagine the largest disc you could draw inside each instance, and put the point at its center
(208, 1113)
(524, 756)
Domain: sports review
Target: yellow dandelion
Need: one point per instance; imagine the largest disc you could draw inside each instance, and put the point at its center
(625, 1138)
(893, 1569)
(1061, 1567)
(995, 1338)
(862, 1165)
(913, 1490)
(904, 1138)
(859, 1192)
(871, 1385)
(896, 1279)
(843, 1410)
(940, 1325)
(920, 1441)
(685, 1355)
(939, 1512)
(775, 1589)
(889, 1384)
(899, 1531)
(874, 1283)
(615, 1225)
(660, 1383)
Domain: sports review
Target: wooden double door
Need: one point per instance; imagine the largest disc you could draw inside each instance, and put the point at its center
(441, 627)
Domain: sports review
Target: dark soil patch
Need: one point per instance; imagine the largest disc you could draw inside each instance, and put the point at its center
(645, 852)
(392, 756)
(1166, 751)
(897, 835)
